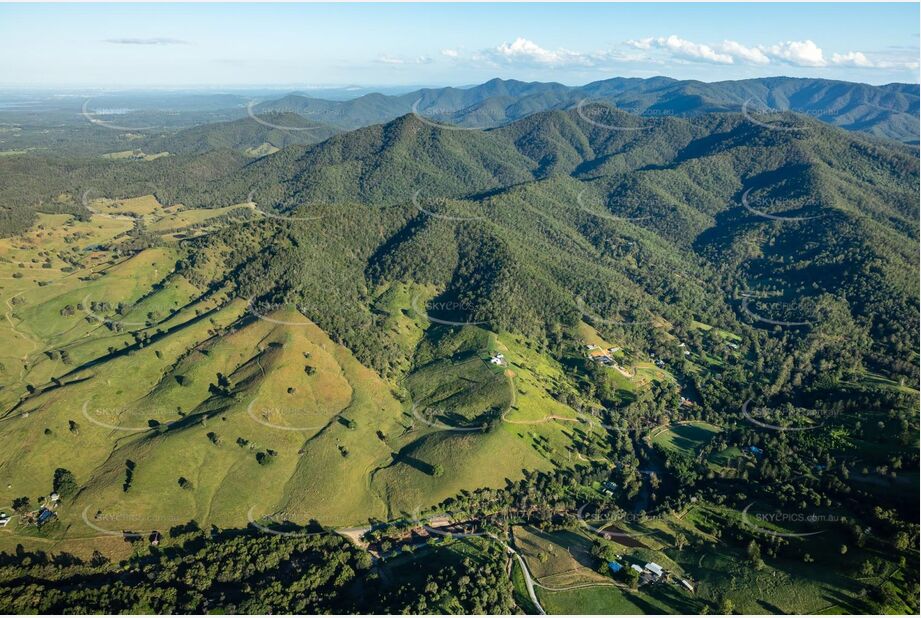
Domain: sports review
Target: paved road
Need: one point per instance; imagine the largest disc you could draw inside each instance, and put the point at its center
(528, 582)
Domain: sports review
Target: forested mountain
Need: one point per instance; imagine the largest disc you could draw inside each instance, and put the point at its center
(263, 135)
(553, 208)
(700, 311)
(889, 111)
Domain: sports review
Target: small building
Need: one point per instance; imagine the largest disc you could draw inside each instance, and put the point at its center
(55, 497)
(610, 485)
(637, 568)
(43, 516)
(686, 584)
(615, 567)
(754, 450)
(591, 346)
(655, 569)
(498, 359)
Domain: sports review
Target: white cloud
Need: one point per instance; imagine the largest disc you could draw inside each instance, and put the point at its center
(681, 48)
(798, 53)
(748, 54)
(852, 59)
(645, 43)
(663, 50)
(694, 51)
(161, 40)
(385, 59)
(523, 50)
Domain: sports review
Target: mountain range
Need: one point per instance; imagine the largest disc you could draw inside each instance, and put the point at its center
(889, 111)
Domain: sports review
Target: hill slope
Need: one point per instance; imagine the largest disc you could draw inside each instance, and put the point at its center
(889, 111)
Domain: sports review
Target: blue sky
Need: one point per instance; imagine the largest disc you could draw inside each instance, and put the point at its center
(302, 45)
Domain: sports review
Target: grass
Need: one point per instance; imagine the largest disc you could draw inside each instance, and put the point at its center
(725, 334)
(685, 437)
(558, 559)
(134, 154)
(562, 563)
(604, 601)
(876, 379)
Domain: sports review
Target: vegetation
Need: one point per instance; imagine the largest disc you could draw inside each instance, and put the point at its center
(693, 345)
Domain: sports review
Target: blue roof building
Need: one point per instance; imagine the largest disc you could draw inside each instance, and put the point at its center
(614, 566)
(44, 515)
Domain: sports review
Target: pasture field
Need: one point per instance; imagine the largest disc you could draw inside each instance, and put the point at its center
(685, 437)
(558, 559)
(168, 402)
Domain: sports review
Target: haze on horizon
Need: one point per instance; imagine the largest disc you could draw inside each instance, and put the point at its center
(295, 46)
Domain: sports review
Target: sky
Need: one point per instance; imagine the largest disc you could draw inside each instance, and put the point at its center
(313, 45)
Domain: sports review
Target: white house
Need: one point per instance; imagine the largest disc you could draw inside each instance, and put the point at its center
(655, 569)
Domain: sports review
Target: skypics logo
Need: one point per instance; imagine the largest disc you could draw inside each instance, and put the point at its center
(599, 317)
(96, 310)
(107, 522)
(431, 416)
(745, 297)
(128, 418)
(776, 119)
(613, 524)
(282, 523)
(436, 111)
(603, 215)
(94, 117)
(270, 416)
(430, 211)
(776, 523)
(610, 523)
(750, 107)
(280, 216)
(439, 311)
(600, 115)
(774, 419)
(264, 310)
(748, 206)
(276, 110)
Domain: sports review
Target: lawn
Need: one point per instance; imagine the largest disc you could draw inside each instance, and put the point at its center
(685, 437)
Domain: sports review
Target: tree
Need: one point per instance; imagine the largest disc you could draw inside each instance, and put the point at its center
(21, 505)
(64, 484)
(681, 541)
(754, 551)
(633, 579)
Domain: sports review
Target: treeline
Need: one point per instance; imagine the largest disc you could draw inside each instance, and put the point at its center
(192, 571)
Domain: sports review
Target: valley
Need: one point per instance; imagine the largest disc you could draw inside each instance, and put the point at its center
(464, 371)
